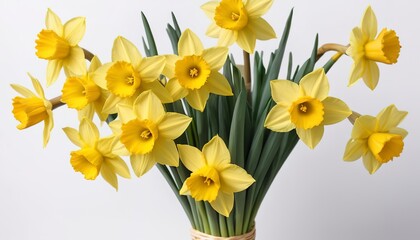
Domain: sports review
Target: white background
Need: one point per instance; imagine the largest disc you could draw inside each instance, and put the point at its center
(315, 196)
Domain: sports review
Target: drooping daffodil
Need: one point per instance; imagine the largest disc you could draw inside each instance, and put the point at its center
(305, 107)
(58, 44)
(33, 108)
(366, 50)
(377, 139)
(213, 178)
(194, 74)
(96, 155)
(239, 21)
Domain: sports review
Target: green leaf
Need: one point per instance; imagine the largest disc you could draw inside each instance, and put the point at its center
(149, 35)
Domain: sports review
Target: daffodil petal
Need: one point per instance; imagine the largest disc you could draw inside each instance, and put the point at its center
(109, 175)
(370, 163)
(86, 112)
(111, 103)
(189, 44)
(169, 69)
(119, 166)
(400, 131)
(227, 37)
(88, 131)
(235, 179)
(173, 125)
(184, 189)
(371, 74)
(356, 73)
(216, 152)
(23, 90)
(74, 30)
(151, 67)
(159, 90)
(284, 91)
(53, 22)
(148, 106)
(215, 57)
(223, 203)
(315, 84)
(165, 152)
(278, 119)
(75, 65)
(247, 39)
(355, 149)
(335, 110)
(176, 90)
(369, 23)
(191, 157)
(213, 30)
(53, 70)
(48, 126)
(389, 118)
(256, 8)
(74, 136)
(126, 113)
(311, 137)
(124, 50)
(262, 29)
(218, 84)
(100, 74)
(364, 126)
(209, 8)
(141, 164)
(197, 99)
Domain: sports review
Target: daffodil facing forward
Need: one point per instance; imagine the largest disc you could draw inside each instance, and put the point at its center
(366, 50)
(81, 92)
(377, 139)
(129, 74)
(96, 155)
(194, 73)
(58, 44)
(148, 132)
(213, 178)
(33, 108)
(305, 107)
(239, 21)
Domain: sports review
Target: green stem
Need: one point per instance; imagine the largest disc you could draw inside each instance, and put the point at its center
(203, 216)
(223, 226)
(332, 61)
(213, 220)
(247, 74)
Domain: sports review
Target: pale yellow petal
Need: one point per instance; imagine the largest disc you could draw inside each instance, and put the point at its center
(37, 86)
(109, 175)
(335, 110)
(105, 145)
(165, 152)
(191, 157)
(218, 84)
(74, 136)
(278, 119)
(126, 112)
(184, 189)
(256, 8)
(118, 166)
(311, 137)
(23, 90)
(369, 23)
(53, 22)
(86, 112)
(355, 149)
(399, 131)
(111, 104)
(95, 63)
(151, 67)
(247, 40)
(315, 84)
(148, 106)
(213, 30)
(53, 70)
(75, 64)
(370, 163)
(176, 90)
(162, 92)
(141, 164)
(223, 203)
(88, 131)
(197, 99)
(371, 74)
(74, 30)
(189, 44)
(363, 127)
(169, 70)
(357, 70)
(227, 37)
(124, 50)
(216, 153)
(209, 8)
(234, 179)
(262, 29)
(284, 91)
(99, 76)
(173, 125)
(48, 126)
(389, 118)
(215, 57)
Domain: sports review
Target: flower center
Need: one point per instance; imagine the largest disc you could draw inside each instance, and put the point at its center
(306, 112)
(231, 14)
(385, 146)
(139, 136)
(88, 161)
(122, 79)
(385, 48)
(79, 92)
(204, 184)
(192, 72)
(29, 111)
(50, 46)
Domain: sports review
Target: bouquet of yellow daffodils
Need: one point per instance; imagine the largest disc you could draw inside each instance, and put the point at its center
(219, 132)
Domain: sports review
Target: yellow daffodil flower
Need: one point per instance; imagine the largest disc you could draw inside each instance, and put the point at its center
(33, 108)
(366, 50)
(96, 155)
(59, 45)
(129, 74)
(194, 73)
(80, 92)
(305, 107)
(376, 139)
(213, 178)
(239, 21)
(148, 132)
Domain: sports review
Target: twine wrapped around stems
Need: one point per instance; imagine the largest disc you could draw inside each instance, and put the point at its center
(197, 235)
